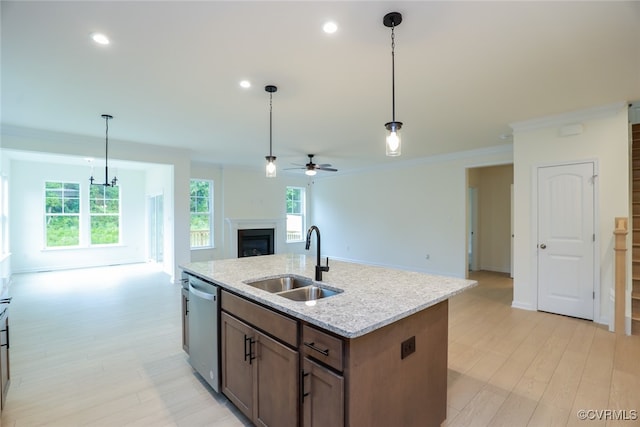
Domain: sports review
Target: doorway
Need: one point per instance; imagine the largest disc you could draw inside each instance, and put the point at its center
(156, 228)
(489, 213)
(566, 239)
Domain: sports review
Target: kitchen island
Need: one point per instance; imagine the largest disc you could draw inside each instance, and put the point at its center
(372, 354)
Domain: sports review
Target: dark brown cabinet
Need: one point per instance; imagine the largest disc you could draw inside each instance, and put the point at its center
(237, 343)
(259, 373)
(322, 396)
(283, 372)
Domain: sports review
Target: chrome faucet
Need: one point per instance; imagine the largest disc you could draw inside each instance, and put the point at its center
(319, 268)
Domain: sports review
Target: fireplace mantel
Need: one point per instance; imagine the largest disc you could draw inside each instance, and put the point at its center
(233, 225)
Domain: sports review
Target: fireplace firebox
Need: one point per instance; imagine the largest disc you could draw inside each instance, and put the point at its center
(255, 242)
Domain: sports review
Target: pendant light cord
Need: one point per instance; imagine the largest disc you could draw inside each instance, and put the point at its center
(393, 73)
(106, 151)
(270, 122)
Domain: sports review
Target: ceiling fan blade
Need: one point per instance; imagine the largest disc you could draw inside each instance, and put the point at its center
(324, 165)
(327, 169)
(289, 169)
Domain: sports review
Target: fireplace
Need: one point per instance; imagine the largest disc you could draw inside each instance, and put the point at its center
(256, 241)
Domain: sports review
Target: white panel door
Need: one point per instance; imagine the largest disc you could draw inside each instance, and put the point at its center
(566, 239)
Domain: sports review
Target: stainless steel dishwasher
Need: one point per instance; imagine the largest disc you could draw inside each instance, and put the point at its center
(204, 330)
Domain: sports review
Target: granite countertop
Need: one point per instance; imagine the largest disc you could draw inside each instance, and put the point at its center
(372, 296)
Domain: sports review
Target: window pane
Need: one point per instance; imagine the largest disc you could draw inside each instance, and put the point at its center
(112, 192)
(53, 185)
(105, 230)
(95, 191)
(112, 206)
(295, 213)
(63, 231)
(104, 207)
(53, 205)
(62, 208)
(201, 206)
(72, 206)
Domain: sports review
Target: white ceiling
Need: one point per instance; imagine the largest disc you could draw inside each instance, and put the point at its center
(464, 72)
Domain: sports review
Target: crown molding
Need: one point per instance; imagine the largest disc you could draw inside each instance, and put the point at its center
(569, 118)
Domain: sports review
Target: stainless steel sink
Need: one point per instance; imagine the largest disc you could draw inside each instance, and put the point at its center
(281, 283)
(296, 288)
(308, 293)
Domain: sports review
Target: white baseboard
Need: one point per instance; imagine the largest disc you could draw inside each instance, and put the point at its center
(522, 305)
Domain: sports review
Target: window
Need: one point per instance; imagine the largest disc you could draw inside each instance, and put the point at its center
(295, 213)
(201, 213)
(62, 214)
(104, 214)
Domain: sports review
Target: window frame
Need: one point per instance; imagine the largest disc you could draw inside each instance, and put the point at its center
(302, 214)
(210, 214)
(92, 215)
(48, 215)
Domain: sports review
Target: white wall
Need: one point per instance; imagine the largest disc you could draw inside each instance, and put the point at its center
(605, 139)
(248, 195)
(5, 258)
(397, 216)
(27, 225)
(176, 207)
(160, 182)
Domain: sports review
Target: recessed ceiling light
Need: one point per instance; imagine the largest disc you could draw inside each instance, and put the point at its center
(100, 38)
(245, 84)
(330, 27)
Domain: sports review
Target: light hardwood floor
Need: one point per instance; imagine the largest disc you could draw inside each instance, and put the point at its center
(101, 347)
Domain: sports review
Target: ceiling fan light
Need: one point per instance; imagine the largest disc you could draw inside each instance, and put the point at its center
(394, 140)
(310, 172)
(271, 166)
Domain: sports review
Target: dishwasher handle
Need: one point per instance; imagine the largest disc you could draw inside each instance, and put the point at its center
(201, 294)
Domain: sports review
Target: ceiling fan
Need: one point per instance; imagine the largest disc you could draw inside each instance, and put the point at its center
(311, 168)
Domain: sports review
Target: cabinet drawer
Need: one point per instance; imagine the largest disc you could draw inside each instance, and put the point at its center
(322, 347)
(275, 324)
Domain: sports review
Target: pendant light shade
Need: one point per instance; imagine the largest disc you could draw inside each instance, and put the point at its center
(271, 159)
(114, 180)
(394, 141)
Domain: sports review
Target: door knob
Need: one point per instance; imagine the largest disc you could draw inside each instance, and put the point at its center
(543, 246)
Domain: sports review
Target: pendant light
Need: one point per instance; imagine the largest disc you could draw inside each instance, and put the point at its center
(271, 159)
(392, 20)
(106, 182)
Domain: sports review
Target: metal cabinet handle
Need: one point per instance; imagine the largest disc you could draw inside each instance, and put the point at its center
(543, 246)
(248, 350)
(302, 392)
(312, 346)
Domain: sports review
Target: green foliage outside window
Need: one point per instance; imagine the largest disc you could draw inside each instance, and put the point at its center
(295, 213)
(201, 207)
(62, 214)
(104, 210)
(294, 200)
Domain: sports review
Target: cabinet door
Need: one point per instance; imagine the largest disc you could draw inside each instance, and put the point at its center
(276, 384)
(322, 396)
(238, 352)
(185, 320)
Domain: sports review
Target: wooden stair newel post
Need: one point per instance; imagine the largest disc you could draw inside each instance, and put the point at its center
(620, 247)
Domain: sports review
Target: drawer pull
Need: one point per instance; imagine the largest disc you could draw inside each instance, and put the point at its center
(302, 377)
(312, 346)
(248, 349)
